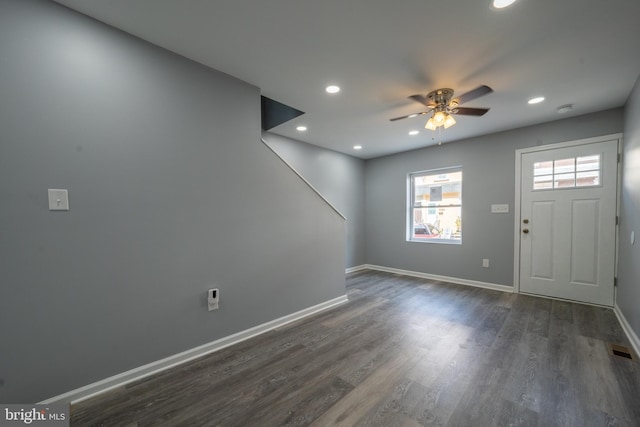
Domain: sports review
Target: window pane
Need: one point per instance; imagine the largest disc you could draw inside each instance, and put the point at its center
(542, 168)
(588, 163)
(437, 223)
(567, 173)
(587, 179)
(420, 191)
(542, 182)
(438, 189)
(435, 209)
(565, 180)
(564, 166)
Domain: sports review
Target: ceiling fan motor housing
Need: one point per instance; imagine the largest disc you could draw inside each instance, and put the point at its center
(440, 96)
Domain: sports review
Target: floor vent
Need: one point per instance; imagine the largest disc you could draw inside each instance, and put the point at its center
(621, 351)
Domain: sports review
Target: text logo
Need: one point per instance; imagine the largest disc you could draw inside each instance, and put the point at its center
(36, 415)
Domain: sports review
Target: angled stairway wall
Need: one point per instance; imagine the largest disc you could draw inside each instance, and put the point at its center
(339, 178)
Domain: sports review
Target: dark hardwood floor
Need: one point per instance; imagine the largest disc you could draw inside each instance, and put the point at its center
(402, 352)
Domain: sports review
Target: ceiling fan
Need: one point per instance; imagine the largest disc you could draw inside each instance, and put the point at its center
(443, 106)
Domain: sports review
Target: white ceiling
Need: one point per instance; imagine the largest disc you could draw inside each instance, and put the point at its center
(582, 52)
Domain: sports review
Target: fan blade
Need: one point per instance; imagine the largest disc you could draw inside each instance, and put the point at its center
(475, 93)
(422, 100)
(470, 111)
(410, 116)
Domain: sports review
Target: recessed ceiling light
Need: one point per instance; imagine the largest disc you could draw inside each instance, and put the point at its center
(301, 128)
(357, 147)
(499, 4)
(536, 100)
(413, 132)
(332, 89)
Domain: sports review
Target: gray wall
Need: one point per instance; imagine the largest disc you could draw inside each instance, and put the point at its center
(171, 192)
(488, 178)
(628, 298)
(338, 177)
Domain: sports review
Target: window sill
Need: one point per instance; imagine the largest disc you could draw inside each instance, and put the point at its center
(437, 241)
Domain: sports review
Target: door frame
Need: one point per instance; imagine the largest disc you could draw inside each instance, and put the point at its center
(517, 200)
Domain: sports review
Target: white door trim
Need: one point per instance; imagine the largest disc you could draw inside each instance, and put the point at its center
(518, 159)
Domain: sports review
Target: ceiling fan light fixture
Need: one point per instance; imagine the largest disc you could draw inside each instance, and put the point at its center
(439, 118)
(449, 121)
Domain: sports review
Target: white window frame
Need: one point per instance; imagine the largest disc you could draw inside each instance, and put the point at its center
(411, 206)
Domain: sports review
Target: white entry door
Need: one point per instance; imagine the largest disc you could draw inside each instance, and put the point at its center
(568, 199)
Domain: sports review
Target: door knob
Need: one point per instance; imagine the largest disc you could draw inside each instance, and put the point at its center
(525, 230)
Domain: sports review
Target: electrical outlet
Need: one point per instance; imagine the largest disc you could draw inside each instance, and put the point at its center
(485, 262)
(213, 298)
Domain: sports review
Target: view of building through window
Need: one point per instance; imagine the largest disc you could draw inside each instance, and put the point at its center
(436, 206)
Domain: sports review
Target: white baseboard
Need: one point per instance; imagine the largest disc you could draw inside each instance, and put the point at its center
(356, 268)
(628, 330)
(136, 374)
(475, 283)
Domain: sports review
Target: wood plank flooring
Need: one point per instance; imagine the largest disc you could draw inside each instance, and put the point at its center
(402, 352)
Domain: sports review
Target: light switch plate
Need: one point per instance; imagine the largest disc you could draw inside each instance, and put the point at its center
(58, 200)
(499, 208)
